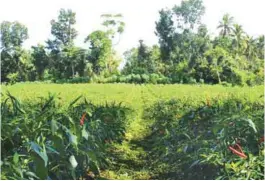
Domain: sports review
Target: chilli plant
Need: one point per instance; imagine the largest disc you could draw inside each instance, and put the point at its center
(215, 139)
(46, 140)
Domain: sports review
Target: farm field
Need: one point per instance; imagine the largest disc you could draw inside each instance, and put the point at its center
(130, 94)
(156, 144)
(93, 92)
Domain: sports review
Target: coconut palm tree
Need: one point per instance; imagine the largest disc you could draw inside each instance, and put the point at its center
(250, 48)
(260, 46)
(238, 36)
(226, 25)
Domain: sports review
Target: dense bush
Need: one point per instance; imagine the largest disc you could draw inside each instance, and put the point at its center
(135, 79)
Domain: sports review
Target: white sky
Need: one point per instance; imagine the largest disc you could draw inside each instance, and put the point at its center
(139, 16)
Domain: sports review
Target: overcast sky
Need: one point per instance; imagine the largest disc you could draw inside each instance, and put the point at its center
(139, 16)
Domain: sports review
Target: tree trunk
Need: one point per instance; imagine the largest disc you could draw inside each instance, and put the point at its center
(73, 70)
(218, 75)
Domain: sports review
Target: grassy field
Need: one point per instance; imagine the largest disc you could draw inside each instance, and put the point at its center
(132, 161)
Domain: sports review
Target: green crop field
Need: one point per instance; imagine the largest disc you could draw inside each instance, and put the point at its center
(148, 146)
(131, 95)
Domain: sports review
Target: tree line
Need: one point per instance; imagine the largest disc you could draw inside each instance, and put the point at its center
(186, 53)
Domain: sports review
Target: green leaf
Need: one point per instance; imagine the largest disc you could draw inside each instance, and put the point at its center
(73, 174)
(41, 152)
(47, 104)
(195, 163)
(72, 138)
(41, 170)
(15, 158)
(185, 134)
(33, 175)
(52, 150)
(94, 168)
(58, 142)
(54, 126)
(251, 124)
(84, 133)
(91, 156)
(74, 101)
(18, 170)
(44, 156)
(185, 148)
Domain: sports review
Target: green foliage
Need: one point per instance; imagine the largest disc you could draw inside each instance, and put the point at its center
(13, 34)
(41, 140)
(165, 31)
(186, 52)
(211, 60)
(13, 77)
(114, 25)
(40, 60)
(189, 13)
(134, 78)
(100, 46)
(63, 29)
(226, 25)
(192, 138)
(74, 80)
(140, 155)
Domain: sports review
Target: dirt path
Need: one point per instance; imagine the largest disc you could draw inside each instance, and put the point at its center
(130, 158)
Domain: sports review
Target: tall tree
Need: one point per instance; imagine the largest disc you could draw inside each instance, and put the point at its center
(238, 37)
(13, 34)
(251, 48)
(40, 60)
(260, 46)
(216, 59)
(114, 26)
(100, 46)
(63, 29)
(64, 32)
(165, 31)
(226, 25)
(103, 57)
(189, 13)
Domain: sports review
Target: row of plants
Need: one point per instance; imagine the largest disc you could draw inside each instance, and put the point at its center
(215, 139)
(155, 79)
(237, 78)
(134, 78)
(47, 140)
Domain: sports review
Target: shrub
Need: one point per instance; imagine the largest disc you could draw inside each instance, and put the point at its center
(145, 78)
(201, 81)
(226, 84)
(154, 78)
(13, 78)
(136, 78)
(192, 80)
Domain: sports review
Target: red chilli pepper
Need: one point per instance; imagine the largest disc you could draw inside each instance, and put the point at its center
(239, 147)
(236, 152)
(82, 119)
